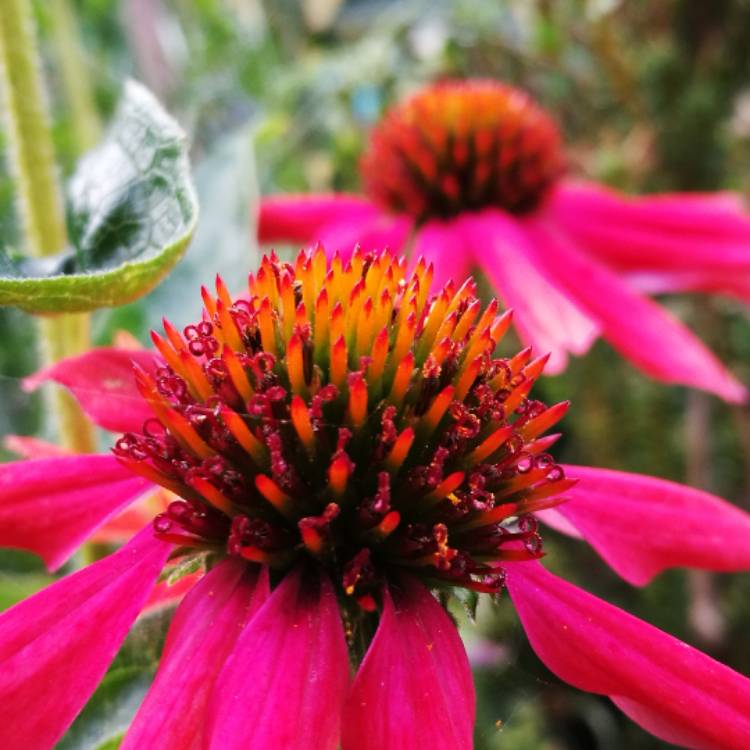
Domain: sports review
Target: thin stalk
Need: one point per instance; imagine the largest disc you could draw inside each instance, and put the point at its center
(32, 161)
(704, 610)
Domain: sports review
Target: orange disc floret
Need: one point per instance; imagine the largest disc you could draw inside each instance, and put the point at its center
(461, 146)
(340, 414)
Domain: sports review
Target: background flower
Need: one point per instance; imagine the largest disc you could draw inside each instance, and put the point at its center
(469, 174)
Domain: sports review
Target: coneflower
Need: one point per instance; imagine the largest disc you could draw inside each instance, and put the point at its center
(472, 174)
(341, 445)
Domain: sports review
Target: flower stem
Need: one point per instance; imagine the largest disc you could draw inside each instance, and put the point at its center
(32, 161)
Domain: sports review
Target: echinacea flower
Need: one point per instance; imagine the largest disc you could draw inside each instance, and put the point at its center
(342, 444)
(472, 174)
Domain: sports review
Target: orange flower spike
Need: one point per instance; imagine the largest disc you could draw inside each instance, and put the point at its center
(450, 484)
(528, 378)
(209, 302)
(486, 320)
(237, 374)
(223, 293)
(425, 283)
(447, 327)
(275, 495)
(242, 434)
(173, 335)
(431, 418)
(267, 326)
(466, 290)
(548, 418)
(520, 360)
(195, 378)
(338, 475)
(441, 351)
(334, 279)
(321, 326)
(166, 351)
(400, 450)
(365, 329)
(295, 365)
(185, 432)
(374, 276)
(434, 320)
(302, 423)
(319, 268)
(337, 322)
(228, 330)
(288, 305)
(300, 316)
(353, 311)
(386, 527)
(305, 277)
(489, 445)
(466, 320)
(482, 344)
(384, 309)
(404, 340)
(213, 495)
(501, 325)
(467, 378)
(377, 363)
(339, 363)
(357, 400)
(401, 380)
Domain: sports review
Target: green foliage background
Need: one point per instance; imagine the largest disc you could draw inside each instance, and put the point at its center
(279, 96)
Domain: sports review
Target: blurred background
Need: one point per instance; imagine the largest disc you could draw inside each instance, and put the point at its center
(280, 96)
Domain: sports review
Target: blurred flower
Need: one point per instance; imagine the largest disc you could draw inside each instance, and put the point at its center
(471, 174)
(341, 444)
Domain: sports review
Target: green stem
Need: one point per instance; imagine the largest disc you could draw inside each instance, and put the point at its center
(32, 161)
(76, 81)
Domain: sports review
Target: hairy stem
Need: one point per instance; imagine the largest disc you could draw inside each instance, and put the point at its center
(32, 161)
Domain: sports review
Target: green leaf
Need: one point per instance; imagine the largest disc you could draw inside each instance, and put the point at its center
(106, 717)
(131, 212)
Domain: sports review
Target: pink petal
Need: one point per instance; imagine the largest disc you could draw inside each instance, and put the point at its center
(673, 690)
(414, 688)
(285, 683)
(547, 317)
(694, 232)
(128, 522)
(731, 283)
(642, 331)
(441, 244)
(375, 233)
(102, 381)
(642, 525)
(29, 447)
(57, 645)
(164, 594)
(51, 505)
(300, 218)
(203, 633)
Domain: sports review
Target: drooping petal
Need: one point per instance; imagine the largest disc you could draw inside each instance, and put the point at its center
(681, 232)
(201, 636)
(285, 682)
(300, 218)
(642, 331)
(31, 447)
(414, 688)
(51, 505)
(376, 233)
(441, 244)
(125, 524)
(545, 315)
(642, 525)
(730, 283)
(102, 380)
(673, 690)
(57, 645)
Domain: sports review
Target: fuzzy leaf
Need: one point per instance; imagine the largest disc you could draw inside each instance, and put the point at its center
(131, 212)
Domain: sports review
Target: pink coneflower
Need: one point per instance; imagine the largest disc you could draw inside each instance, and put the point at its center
(471, 174)
(342, 446)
